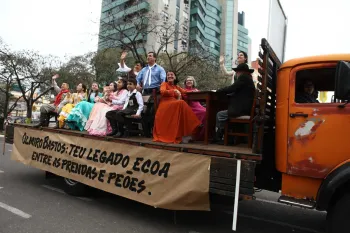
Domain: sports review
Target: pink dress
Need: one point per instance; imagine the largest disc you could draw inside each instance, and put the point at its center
(98, 124)
(200, 112)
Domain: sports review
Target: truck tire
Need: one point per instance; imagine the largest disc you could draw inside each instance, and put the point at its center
(338, 215)
(75, 188)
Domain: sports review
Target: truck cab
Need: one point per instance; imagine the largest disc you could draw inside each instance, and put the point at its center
(306, 121)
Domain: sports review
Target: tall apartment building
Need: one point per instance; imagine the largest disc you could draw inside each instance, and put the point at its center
(243, 39)
(205, 25)
(213, 25)
(229, 31)
(123, 12)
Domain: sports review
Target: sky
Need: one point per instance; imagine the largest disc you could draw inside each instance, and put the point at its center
(314, 26)
(70, 27)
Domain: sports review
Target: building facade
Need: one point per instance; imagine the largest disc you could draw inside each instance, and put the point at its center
(211, 25)
(242, 39)
(229, 31)
(123, 15)
(205, 26)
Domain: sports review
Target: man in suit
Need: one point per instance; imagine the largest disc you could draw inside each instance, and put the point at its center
(241, 95)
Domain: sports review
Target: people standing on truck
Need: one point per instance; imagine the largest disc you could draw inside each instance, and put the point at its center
(175, 121)
(242, 58)
(79, 115)
(47, 110)
(308, 94)
(200, 111)
(115, 99)
(133, 106)
(69, 103)
(131, 73)
(151, 77)
(241, 96)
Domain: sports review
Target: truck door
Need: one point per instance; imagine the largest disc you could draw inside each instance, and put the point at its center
(317, 132)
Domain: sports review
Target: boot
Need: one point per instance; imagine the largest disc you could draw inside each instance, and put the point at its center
(114, 128)
(43, 121)
(218, 136)
(56, 125)
(120, 131)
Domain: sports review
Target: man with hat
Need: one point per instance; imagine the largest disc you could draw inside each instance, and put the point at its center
(241, 94)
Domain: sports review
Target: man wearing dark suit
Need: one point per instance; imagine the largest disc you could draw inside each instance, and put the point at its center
(241, 99)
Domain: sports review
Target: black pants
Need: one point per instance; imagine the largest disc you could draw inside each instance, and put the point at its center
(149, 91)
(118, 116)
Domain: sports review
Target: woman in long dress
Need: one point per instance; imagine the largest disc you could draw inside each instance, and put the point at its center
(69, 103)
(79, 115)
(174, 120)
(197, 108)
(113, 100)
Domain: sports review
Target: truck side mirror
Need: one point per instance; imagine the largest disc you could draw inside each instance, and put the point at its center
(342, 81)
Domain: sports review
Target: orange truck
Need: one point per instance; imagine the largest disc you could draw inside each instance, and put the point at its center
(298, 149)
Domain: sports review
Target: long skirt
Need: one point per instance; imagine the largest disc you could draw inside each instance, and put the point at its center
(98, 124)
(64, 114)
(173, 121)
(79, 115)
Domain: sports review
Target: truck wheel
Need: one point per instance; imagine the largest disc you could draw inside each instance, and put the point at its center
(338, 215)
(74, 188)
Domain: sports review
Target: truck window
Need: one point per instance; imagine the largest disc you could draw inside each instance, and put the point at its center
(315, 86)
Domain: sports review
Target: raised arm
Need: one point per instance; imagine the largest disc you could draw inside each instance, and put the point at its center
(122, 66)
(54, 84)
(223, 68)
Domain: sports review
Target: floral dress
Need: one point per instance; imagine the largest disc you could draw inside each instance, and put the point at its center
(69, 103)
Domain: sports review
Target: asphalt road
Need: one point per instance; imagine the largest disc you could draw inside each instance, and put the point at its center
(32, 204)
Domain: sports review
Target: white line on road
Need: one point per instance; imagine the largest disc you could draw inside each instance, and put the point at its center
(1, 187)
(1, 171)
(10, 150)
(15, 210)
(53, 189)
(63, 192)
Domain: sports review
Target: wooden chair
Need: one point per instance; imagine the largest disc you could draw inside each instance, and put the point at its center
(241, 120)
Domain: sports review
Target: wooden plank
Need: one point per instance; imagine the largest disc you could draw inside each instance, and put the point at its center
(220, 180)
(226, 168)
(229, 188)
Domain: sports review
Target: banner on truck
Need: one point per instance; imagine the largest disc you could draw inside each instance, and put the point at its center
(159, 178)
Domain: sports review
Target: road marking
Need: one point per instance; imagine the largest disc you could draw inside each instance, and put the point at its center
(1, 187)
(53, 189)
(15, 210)
(10, 150)
(64, 193)
(1, 171)
(84, 198)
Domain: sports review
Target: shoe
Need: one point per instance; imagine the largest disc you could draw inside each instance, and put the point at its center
(44, 121)
(114, 129)
(120, 131)
(118, 135)
(218, 137)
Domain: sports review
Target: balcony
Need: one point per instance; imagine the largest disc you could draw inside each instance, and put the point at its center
(141, 7)
(112, 5)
